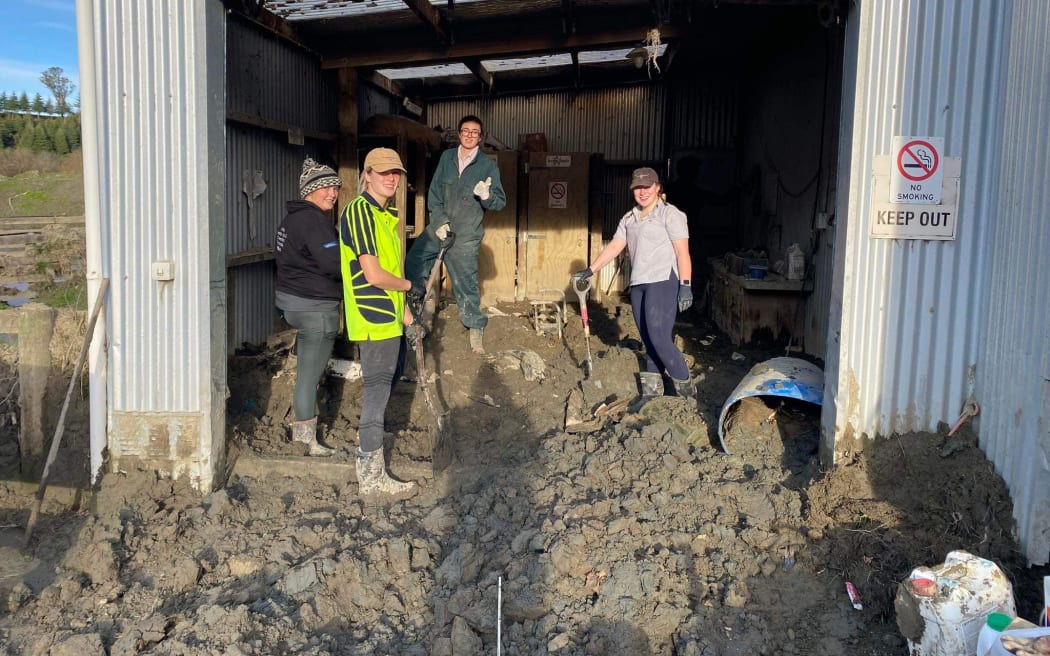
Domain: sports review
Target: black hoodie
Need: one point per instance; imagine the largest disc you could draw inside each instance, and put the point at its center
(307, 252)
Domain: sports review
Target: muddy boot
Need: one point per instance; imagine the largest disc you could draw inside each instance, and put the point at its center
(372, 477)
(476, 341)
(652, 386)
(305, 432)
(685, 388)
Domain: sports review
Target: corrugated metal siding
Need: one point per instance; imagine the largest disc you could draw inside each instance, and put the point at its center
(620, 123)
(253, 149)
(1011, 379)
(276, 81)
(912, 310)
(252, 315)
(269, 78)
(154, 105)
(704, 115)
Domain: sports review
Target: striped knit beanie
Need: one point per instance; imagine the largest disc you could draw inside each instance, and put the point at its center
(316, 176)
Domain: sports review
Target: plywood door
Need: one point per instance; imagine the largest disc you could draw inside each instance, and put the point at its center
(555, 234)
(498, 258)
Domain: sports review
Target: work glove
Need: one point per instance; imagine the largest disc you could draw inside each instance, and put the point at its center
(450, 238)
(581, 276)
(481, 189)
(417, 292)
(442, 231)
(685, 297)
(413, 330)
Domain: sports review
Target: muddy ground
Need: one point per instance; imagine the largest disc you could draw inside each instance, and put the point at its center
(638, 538)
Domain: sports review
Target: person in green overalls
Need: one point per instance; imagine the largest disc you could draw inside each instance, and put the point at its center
(376, 312)
(466, 184)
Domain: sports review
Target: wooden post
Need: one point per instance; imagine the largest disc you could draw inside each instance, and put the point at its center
(420, 215)
(36, 323)
(349, 169)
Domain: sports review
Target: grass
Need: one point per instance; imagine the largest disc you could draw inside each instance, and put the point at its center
(42, 194)
(61, 295)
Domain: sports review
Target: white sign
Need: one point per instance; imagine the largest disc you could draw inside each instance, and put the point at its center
(895, 220)
(917, 171)
(559, 161)
(557, 194)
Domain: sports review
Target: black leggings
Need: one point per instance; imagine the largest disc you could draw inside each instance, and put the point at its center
(655, 306)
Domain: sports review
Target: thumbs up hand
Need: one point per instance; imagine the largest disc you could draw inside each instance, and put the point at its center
(481, 189)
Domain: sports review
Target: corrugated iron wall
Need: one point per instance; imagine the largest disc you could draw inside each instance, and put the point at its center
(272, 79)
(277, 83)
(251, 317)
(620, 123)
(157, 199)
(704, 115)
(912, 310)
(1013, 378)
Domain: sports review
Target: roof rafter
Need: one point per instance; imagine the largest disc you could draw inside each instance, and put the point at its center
(256, 13)
(478, 69)
(426, 13)
(493, 49)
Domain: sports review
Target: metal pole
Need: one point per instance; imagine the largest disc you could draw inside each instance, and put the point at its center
(93, 239)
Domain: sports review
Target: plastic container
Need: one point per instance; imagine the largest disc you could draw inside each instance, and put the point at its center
(997, 645)
(994, 625)
(756, 271)
(948, 623)
(796, 263)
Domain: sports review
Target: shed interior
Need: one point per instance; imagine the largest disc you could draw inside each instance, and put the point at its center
(736, 103)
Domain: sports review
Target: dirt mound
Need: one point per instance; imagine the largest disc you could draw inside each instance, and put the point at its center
(637, 538)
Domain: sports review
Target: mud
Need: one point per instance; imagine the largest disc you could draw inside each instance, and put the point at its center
(638, 538)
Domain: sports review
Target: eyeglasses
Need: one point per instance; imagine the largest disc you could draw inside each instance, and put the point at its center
(470, 133)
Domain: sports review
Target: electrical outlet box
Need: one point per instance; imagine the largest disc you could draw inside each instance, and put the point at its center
(162, 270)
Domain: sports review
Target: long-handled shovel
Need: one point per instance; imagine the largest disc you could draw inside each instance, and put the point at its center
(440, 449)
(582, 294)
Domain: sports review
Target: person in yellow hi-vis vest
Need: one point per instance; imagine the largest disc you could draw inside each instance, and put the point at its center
(374, 291)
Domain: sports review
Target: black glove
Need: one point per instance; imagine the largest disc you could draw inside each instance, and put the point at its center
(685, 297)
(417, 292)
(582, 275)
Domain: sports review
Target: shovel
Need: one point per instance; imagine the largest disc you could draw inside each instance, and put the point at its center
(440, 449)
(581, 292)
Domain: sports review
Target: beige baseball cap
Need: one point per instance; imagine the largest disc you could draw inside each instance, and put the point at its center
(383, 160)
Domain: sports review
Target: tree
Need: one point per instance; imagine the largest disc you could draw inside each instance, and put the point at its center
(23, 102)
(41, 142)
(60, 141)
(73, 133)
(25, 136)
(3, 101)
(60, 86)
(38, 104)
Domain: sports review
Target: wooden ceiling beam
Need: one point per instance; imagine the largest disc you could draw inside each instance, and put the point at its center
(426, 13)
(265, 19)
(478, 69)
(506, 46)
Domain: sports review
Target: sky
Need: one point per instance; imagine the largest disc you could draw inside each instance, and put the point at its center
(37, 34)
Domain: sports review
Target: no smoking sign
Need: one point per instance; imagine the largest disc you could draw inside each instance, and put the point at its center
(917, 177)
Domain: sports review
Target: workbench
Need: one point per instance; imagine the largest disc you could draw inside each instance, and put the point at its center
(748, 309)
